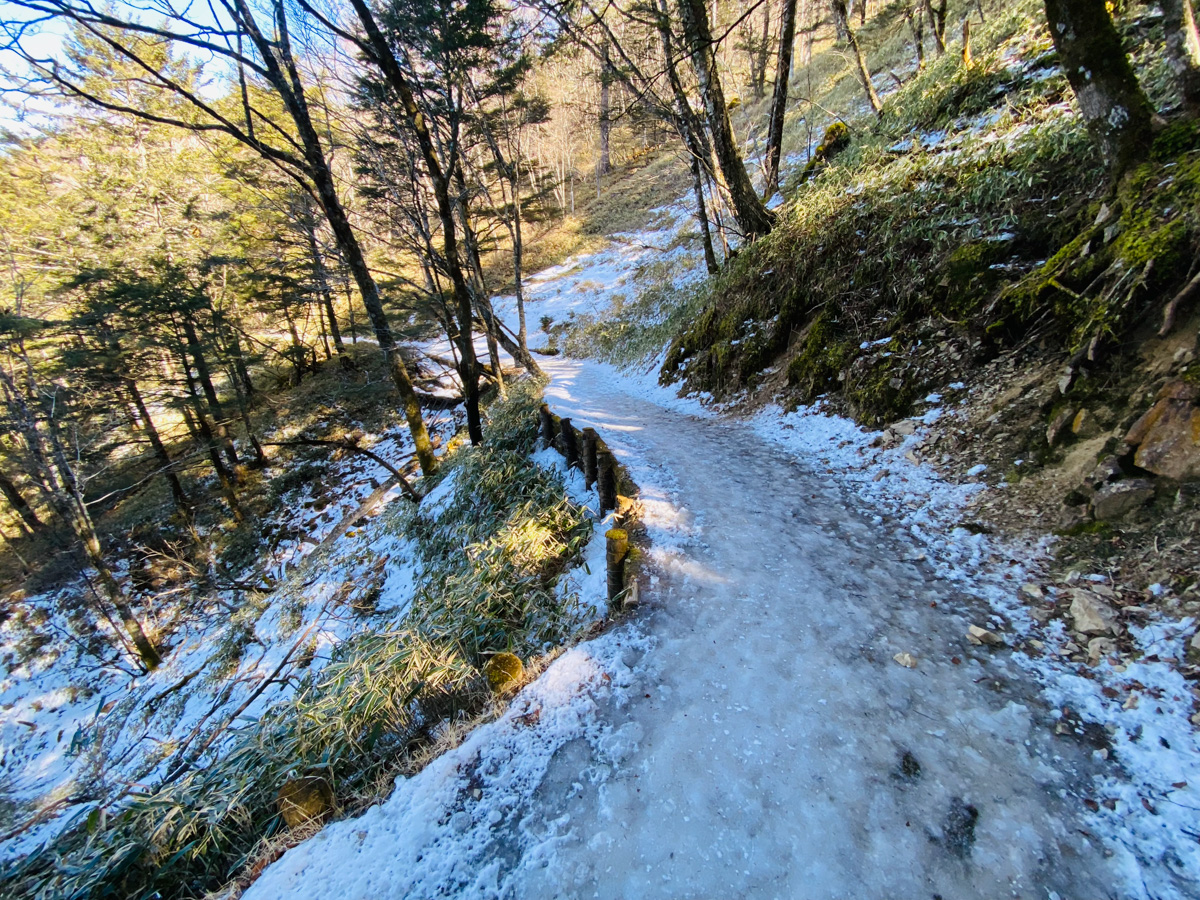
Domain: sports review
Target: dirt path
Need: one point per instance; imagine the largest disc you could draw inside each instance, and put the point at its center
(748, 734)
(778, 750)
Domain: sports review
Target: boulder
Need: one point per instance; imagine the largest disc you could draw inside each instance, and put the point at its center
(304, 800)
(1085, 425)
(1091, 614)
(1112, 501)
(503, 671)
(1059, 425)
(1072, 517)
(1108, 469)
(1167, 437)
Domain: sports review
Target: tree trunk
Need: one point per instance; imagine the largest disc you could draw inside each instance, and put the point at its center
(160, 451)
(198, 424)
(239, 360)
(937, 24)
(783, 72)
(860, 63)
(764, 52)
(603, 166)
(1183, 50)
(322, 276)
(298, 354)
(1110, 98)
(710, 256)
(689, 130)
(43, 472)
(20, 505)
(243, 403)
(204, 376)
(525, 358)
(86, 532)
(916, 23)
(752, 217)
(491, 326)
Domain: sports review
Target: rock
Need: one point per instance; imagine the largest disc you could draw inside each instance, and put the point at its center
(1092, 615)
(1112, 501)
(1032, 591)
(1041, 615)
(503, 671)
(977, 636)
(905, 427)
(1100, 647)
(1108, 469)
(906, 659)
(1072, 517)
(304, 800)
(1178, 390)
(1085, 425)
(1167, 438)
(1059, 425)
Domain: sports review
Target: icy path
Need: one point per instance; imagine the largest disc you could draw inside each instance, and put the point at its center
(775, 725)
(760, 742)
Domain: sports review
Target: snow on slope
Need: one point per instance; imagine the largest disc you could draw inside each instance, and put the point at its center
(70, 718)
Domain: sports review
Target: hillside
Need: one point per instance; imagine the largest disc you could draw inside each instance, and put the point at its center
(896, 592)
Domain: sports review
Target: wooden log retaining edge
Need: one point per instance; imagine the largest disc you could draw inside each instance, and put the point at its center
(607, 480)
(590, 439)
(570, 443)
(616, 551)
(547, 425)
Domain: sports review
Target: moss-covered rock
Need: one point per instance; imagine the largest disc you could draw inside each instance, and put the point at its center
(504, 671)
(304, 800)
(835, 140)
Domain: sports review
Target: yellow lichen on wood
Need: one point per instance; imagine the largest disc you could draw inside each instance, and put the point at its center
(618, 544)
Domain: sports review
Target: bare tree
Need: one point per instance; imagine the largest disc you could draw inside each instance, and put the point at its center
(752, 216)
(783, 71)
(295, 147)
(842, 19)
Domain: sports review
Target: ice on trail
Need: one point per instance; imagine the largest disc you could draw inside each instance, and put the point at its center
(763, 743)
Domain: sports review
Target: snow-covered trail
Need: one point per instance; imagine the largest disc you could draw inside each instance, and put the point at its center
(781, 752)
(747, 733)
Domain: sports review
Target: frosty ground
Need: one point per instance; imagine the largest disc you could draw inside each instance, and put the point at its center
(750, 730)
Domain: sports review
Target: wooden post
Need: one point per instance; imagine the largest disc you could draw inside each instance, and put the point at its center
(589, 457)
(547, 425)
(570, 443)
(607, 475)
(966, 47)
(617, 550)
